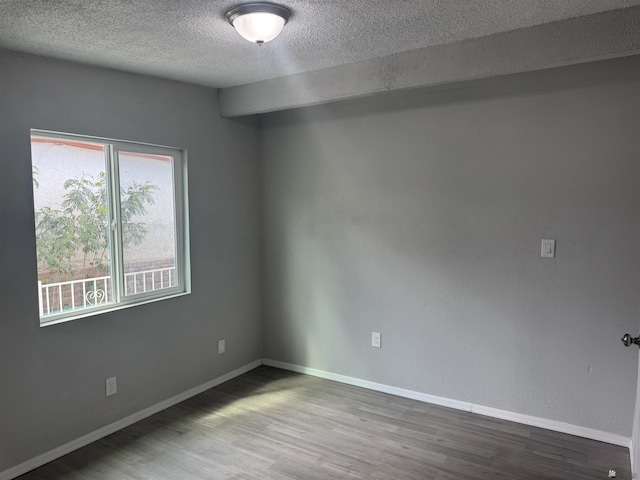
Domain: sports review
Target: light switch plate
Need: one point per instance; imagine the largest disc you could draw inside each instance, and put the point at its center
(548, 248)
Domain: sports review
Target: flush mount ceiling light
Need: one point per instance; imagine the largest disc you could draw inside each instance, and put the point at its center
(259, 22)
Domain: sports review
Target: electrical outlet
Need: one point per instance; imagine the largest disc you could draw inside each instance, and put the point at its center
(376, 339)
(111, 386)
(221, 346)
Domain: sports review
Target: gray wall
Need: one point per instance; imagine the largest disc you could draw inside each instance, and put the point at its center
(419, 215)
(52, 379)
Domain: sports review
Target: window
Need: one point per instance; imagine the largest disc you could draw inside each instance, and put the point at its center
(110, 224)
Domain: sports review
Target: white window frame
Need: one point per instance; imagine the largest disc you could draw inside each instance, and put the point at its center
(120, 299)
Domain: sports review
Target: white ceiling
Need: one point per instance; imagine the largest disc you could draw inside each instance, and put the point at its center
(190, 40)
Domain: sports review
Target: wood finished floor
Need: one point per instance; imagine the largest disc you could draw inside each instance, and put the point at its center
(274, 424)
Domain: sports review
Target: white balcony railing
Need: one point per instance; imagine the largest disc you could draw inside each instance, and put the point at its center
(76, 294)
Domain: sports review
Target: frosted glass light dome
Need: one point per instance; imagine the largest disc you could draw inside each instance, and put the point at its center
(259, 22)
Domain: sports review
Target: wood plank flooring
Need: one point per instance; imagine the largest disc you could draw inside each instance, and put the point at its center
(274, 424)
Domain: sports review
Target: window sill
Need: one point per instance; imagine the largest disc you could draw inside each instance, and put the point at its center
(112, 308)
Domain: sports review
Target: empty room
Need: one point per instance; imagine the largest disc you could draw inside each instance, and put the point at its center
(319, 239)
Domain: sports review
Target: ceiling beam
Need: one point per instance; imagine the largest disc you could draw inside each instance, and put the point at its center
(579, 40)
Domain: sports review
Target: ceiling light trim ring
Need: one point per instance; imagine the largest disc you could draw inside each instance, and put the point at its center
(258, 7)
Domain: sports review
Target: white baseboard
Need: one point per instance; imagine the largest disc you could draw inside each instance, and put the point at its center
(378, 387)
(554, 425)
(120, 424)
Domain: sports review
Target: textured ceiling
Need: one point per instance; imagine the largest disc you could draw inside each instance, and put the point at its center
(190, 40)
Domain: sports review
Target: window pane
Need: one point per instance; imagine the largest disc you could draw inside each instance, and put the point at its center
(148, 222)
(71, 218)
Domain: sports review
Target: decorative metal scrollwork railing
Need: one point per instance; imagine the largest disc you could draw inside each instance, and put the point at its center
(76, 294)
(95, 297)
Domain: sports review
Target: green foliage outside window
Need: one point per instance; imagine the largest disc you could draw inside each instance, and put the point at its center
(71, 238)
